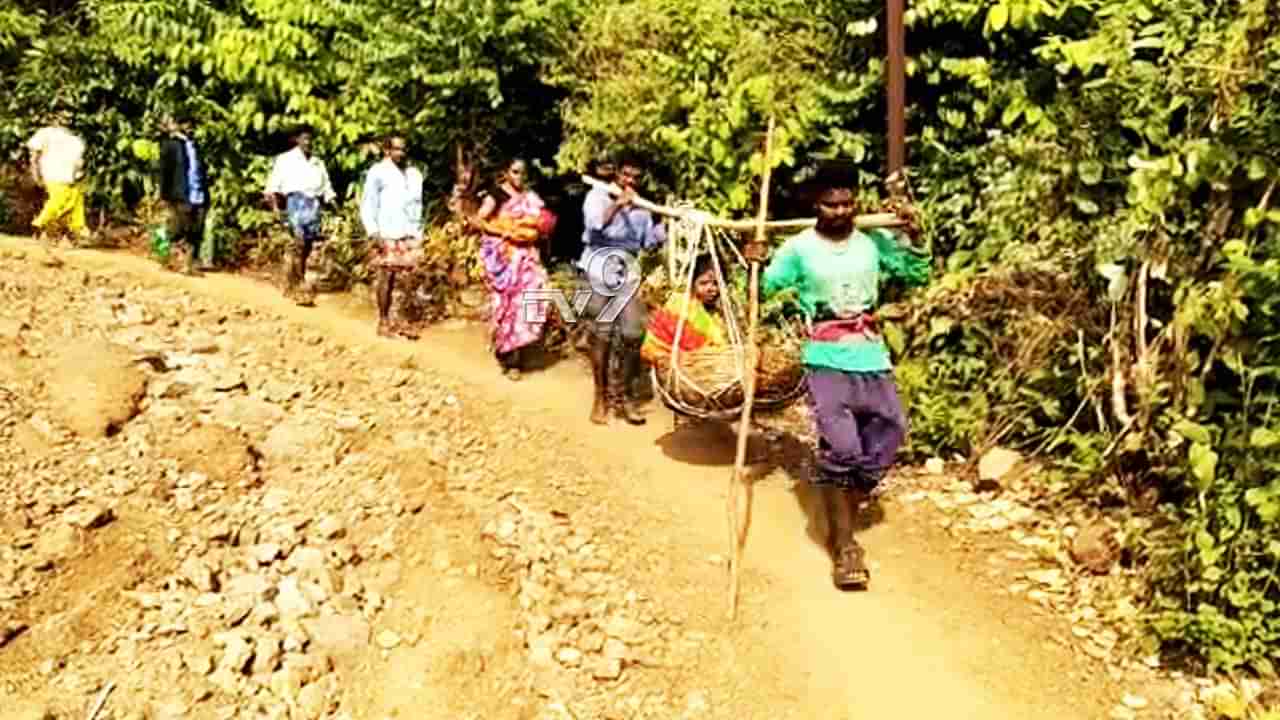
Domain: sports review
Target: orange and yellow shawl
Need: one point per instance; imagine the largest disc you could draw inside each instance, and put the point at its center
(520, 230)
(701, 329)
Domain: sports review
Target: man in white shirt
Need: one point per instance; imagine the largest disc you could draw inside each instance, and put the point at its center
(57, 164)
(391, 212)
(300, 183)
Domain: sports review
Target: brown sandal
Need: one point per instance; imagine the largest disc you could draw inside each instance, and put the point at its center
(302, 296)
(394, 329)
(404, 330)
(850, 569)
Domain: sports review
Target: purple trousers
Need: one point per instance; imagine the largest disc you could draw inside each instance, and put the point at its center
(860, 425)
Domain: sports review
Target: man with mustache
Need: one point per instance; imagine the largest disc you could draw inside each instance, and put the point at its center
(837, 270)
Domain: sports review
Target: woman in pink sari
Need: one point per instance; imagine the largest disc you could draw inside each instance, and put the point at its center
(513, 220)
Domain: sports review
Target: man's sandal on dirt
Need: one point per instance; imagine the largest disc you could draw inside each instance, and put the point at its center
(393, 329)
(849, 571)
(405, 330)
(302, 296)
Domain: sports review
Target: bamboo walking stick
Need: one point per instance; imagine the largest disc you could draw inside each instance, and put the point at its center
(738, 481)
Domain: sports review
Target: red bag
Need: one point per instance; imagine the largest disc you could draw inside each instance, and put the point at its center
(546, 222)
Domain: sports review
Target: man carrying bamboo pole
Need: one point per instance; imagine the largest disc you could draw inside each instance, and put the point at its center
(616, 226)
(837, 270)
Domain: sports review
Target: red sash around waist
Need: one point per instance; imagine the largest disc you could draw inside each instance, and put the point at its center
(863, 326)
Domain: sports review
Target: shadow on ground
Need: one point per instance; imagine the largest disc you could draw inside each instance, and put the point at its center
(714, 444)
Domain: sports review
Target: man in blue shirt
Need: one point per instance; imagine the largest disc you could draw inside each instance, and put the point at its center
(184, 187)
(615, 232)
(605, 169)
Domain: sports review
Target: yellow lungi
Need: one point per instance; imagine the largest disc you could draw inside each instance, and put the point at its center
(66, 201)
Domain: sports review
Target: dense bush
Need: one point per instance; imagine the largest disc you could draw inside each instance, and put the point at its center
(1098, 178)
(1130, 147)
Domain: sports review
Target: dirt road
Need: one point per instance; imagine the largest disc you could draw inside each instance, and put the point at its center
(931, 639)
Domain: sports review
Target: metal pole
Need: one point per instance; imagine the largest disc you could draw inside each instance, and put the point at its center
(897, 68)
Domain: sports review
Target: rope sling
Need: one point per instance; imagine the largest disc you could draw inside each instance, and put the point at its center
(722, 388)
(708, 383)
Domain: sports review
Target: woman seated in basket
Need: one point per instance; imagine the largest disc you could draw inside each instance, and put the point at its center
(703, 327)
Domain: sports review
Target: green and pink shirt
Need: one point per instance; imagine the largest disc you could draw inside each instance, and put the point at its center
(838, 286)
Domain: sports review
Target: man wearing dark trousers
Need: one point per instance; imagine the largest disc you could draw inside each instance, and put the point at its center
(184, 187)
(614, 229)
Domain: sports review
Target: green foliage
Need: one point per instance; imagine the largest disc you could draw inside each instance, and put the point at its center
(692, 83)
(249, 70)
(1227, 546)
(1132, 144)
(943, 416)
(17, 26)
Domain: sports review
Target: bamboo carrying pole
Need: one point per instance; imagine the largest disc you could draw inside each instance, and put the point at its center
(737, 481)
(872, 220)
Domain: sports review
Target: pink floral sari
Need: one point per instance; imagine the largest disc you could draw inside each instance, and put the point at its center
(512, 270)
